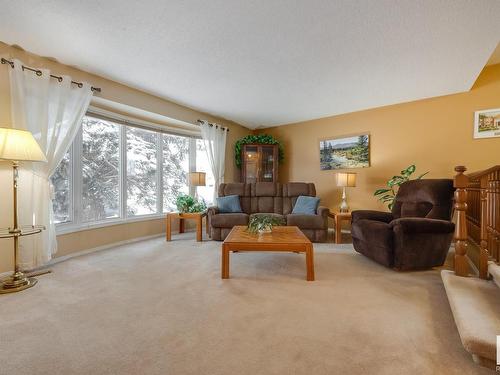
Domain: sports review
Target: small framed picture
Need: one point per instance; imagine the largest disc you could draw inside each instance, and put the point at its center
(487, 123)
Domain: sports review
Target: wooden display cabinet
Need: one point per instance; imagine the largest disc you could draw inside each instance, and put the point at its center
(259, 163)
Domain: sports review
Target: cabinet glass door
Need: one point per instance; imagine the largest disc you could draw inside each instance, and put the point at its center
(251, 155)
(267, 164)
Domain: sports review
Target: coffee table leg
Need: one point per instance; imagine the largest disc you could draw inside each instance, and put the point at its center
(169, 228)
(225, 262)
(310, 263)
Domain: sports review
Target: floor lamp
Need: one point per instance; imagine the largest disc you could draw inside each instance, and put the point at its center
(15, 146)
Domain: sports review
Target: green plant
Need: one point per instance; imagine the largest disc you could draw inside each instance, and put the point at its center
(387, 195)
(186, 203)
(259, 138)
(263, 223)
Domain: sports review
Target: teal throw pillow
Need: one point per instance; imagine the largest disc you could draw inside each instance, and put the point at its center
(229, 204)
(306, 205)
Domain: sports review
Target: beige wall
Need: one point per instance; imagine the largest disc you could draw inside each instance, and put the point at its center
(435, 134)
(115, 92)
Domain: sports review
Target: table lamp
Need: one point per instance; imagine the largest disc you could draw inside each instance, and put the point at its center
(18, 145)
(197, 179)
(345, 179)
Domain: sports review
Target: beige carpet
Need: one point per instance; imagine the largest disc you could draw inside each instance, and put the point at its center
(161, 308)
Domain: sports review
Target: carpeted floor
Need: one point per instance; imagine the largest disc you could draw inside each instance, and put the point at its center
(161, 308)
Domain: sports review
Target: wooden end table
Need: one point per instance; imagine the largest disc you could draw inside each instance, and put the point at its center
(197, 216)
(289, 239)
(338, 218)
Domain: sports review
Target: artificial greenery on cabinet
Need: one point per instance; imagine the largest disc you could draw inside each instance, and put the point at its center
(257, 139)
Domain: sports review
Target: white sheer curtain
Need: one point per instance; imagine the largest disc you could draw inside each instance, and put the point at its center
(214, 138)
(52, 111)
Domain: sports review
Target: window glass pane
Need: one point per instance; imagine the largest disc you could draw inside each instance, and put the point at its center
(175, 169)
(100, 169)
(141, 171)
(61, 182)
(202, 165)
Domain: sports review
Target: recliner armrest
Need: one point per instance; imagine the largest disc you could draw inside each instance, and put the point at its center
(323, 211)
(385, 217)
(422, 225)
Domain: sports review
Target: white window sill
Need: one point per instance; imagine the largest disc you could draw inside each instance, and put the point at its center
(66, 228)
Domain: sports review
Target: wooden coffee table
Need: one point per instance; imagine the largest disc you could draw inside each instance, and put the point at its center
(280, 239)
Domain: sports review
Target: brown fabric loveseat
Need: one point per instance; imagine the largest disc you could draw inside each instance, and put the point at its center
(417, 233)
(269, 198)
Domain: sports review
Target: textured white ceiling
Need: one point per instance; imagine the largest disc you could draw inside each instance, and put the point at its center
(266, 62)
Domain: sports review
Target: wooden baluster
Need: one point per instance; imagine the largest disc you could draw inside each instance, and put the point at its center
(460, 183)
(483, 252)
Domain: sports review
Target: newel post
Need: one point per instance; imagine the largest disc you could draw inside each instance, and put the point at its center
(460, 183)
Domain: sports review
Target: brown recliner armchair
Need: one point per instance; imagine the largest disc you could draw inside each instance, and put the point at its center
(417, 233)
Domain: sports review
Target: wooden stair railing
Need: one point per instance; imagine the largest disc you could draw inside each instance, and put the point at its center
(477, 204)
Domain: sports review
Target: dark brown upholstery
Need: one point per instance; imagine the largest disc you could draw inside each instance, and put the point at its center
(269, 198)
(416, 234)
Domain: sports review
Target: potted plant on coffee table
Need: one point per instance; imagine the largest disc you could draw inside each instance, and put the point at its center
(263, 223)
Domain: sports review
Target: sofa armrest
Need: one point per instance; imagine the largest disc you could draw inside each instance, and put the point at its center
(323, 211)
(422, 225)
(385, 217)
(213, 210)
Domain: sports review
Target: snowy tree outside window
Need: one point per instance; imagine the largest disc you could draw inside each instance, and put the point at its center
(62, 190)
(175, 169)
(141, 172)
(100, 170)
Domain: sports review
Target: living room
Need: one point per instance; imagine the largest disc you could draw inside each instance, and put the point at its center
(224, 190)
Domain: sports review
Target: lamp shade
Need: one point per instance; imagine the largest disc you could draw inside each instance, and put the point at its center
(197, 178)
(19, 145)
(346, 179)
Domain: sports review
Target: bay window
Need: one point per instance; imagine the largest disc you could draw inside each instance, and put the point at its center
(116, 172)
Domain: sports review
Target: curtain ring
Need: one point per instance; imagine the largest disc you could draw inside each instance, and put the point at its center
(38, 73)
(59, 79)
(80, 85)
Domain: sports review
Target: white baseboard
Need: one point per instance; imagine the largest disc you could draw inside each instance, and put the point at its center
(88, 251)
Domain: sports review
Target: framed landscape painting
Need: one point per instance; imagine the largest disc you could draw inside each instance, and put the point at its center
(487, 123)
(344, 153)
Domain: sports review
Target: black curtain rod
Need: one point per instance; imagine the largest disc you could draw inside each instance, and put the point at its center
(216, 126)
(38, 72)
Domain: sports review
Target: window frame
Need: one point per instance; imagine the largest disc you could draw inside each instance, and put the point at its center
(76, 223)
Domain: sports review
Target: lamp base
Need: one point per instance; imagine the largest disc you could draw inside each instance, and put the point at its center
(343, 205)
(17, 282)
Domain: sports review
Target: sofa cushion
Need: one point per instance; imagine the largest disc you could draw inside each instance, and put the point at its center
(266, 189)
(229, 204)
(306, 221)
(294, 189)
(234, 188)
(306, 205)
(229, 220)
